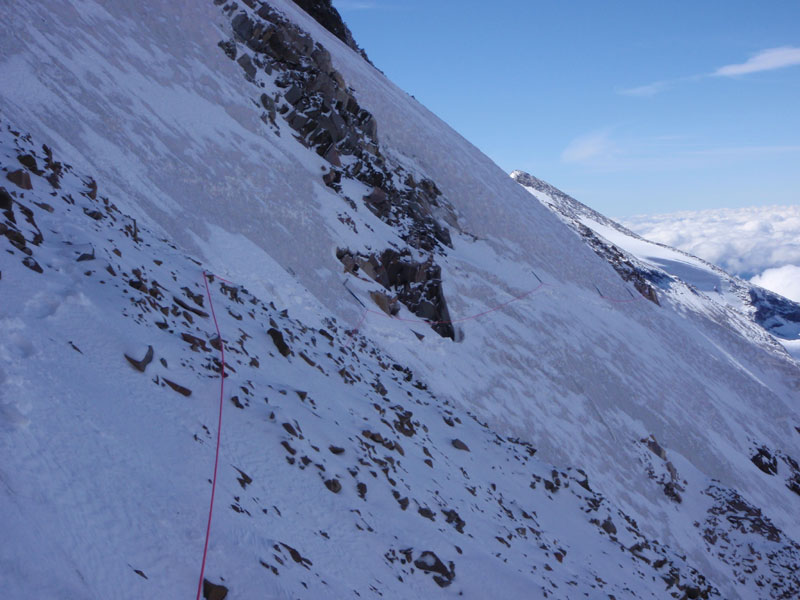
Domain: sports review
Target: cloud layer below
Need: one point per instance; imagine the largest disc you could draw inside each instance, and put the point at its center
(759, 243)
(785, 280)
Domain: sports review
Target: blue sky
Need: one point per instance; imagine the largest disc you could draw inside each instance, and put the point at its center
(631, 107)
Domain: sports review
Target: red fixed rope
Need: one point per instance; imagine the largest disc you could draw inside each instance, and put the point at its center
(219, 432)
(222, 388)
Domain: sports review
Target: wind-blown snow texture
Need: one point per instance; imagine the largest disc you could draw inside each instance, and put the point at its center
(579, 442)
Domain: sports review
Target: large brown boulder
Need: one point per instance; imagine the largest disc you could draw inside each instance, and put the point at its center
(214, 591)
(21, 179)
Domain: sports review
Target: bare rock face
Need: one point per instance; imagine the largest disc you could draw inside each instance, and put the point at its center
(326, 15)
(417, 285)
(316, 102)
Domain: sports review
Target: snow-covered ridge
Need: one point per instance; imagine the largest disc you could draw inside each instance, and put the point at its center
(660, 263)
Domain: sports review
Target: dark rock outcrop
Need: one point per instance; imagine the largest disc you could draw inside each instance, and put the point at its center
(773, 310)
(315, 101)
(643, 279)
(5, 199)
(417, 285)
(280, 344)
(326, 15)
(764, 460)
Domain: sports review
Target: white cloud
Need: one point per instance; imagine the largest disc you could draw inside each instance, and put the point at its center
(651, 89)
(784, 280)
(758, 242)
(613, 149)
(356, 5)
(589, 147)
(353, 5)
(766, 60)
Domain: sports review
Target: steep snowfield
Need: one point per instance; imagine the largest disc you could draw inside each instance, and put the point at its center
(105, 469)
(341, 473)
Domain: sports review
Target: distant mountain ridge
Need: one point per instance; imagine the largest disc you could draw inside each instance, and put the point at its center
(778, 315)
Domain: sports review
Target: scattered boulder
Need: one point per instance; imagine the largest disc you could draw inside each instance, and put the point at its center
(242, 27)
(333, 485)
(386, 304)
(214, 591)
(191, 309)
(21, 178)
(6, 199)
(92, 191)
(455, 520)
(29, 262)
(609, 527)
(280, 343)
(183, 391)
(229, 48)
(459, 445)
(430, 563)
(655, 447)
(195, 342)
(427, 513)
(244, 479)
(333, 177)
(247, 64)
(29, 161)
(141, 365)
(296, 556)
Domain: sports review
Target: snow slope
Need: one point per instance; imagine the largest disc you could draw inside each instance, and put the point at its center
(655, 426)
